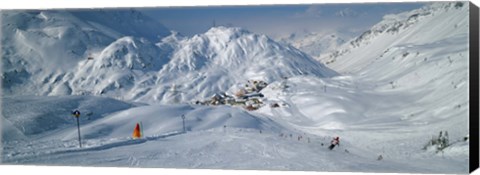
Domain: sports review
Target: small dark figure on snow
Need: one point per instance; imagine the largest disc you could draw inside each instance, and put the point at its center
(334, 142)
(380, 157)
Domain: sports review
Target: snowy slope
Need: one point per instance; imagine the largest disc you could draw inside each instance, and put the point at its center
(427, 59)
(25, 117)
(446, 20)
(116, 67)
(158, 119)
(41, 46)
(250, 141)
(396, 124)
(416, 66)
(315, 44)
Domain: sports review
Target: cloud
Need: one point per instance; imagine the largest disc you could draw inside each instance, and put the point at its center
(311, 12)
(347, 12)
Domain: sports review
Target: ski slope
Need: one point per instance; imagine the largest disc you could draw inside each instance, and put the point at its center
(397, 86)
(207, 144)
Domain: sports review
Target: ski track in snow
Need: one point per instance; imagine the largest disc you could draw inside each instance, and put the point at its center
(70, 147)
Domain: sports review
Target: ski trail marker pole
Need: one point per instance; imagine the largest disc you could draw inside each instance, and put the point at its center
(141, 129)
(76, 113)
(183, 118)
(78, 127)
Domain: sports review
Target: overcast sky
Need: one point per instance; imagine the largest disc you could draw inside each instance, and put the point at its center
(277, 20)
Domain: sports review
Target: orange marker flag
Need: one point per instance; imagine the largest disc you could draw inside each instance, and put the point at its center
(136, 132)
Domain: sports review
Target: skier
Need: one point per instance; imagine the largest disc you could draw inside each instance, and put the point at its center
(334, 142)
(380, 158)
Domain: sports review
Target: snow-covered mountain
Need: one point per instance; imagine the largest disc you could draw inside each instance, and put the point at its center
(222, 57)
(38, 47)
(395, 28)
(315, 44)
(128, 63)
(197, 67)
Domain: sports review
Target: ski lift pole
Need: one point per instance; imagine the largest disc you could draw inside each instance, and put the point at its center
(141, 129)
(76, 113)
(78, 127)
(183, 119)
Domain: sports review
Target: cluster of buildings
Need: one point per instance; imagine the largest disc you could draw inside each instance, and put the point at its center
(248, 96)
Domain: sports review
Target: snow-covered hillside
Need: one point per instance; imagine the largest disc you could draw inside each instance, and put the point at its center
(397, 87)
(423, 53)
(418, 62)
(438, 20)
(39, 47)
(30, 117)
(315, 44)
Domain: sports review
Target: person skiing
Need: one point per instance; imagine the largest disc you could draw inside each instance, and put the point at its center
(334, 142)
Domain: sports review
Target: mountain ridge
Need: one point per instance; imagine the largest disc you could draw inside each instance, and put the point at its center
(392, 24)
(127, 66)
